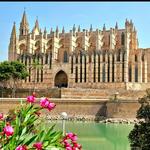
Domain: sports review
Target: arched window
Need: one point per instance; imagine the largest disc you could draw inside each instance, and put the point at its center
(26, 59)
(98, 68)
(136, 58)
(109, 40)
(108, 69)
(65, 57)
(143, 57)
(94, 70)
(46, 58)
(103, 77)
(113, 68)
(130, 73)
(118, 56)
(71, 64)
(76, 59)
(84, 68)
(50, 60)
(76, 75)
(22, 31)
(80, 67)
(29, 74)
(103, 57)
(122, 38)
(136, 73)
(123, 55)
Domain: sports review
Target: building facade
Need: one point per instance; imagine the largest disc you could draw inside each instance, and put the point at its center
(81, 58)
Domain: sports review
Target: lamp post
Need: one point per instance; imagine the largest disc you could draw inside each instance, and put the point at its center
(116, 95)
(21, 102)
(64, 117)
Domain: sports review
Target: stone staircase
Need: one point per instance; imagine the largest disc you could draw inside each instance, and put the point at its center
(81, 93)
(84, 93)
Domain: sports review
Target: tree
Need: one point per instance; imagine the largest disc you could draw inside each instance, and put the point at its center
(140, 135)
(5, 73)
(11, 73)
(20, 73)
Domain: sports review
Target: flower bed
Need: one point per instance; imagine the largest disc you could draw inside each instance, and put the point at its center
(19, 131)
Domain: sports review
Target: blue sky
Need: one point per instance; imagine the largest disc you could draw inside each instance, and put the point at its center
(52, 14)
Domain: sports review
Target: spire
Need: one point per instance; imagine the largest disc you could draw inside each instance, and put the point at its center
(24, 26)
(79, 28)
(13, 33)
(127, 22)
(57, 30)
(37, 24)
(40, 31)
(116, 27)
(63, 30)
(51, 31)
(12, 44)
(104, 28)
(24, 21)
(91, 28)
(74, 28)
(45, 31)
(86, 33)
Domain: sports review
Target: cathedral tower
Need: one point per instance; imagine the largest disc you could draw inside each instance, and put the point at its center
(12, 44)
(24, 26)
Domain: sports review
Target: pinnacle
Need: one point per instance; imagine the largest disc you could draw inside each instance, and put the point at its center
(13, 33)
(63, 30)
(37, 25)
(24, 21)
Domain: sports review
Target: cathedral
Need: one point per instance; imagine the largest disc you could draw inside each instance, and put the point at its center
(87, 58)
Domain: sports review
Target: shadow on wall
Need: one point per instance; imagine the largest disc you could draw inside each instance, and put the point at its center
(102, 113)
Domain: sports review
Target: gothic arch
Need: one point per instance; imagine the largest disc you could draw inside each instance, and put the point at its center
(22, 48)
(61, 79)
(37, 46)
(122, 38)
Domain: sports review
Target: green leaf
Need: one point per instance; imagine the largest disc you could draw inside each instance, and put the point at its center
(30, 140)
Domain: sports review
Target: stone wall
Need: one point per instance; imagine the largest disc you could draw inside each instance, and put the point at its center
(49, 92)
(122, 109)
(85, 107)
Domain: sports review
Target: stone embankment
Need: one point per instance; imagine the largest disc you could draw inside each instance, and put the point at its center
(99, 119)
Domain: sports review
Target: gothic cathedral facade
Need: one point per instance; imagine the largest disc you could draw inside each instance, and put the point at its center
(81, 59)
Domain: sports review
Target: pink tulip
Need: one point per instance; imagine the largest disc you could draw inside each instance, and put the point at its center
(51, 106)
(1, 116)
(21, 147)
(38, 145)
(8, 130)
(31, 99)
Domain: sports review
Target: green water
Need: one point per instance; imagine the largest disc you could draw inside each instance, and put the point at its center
(99, 136)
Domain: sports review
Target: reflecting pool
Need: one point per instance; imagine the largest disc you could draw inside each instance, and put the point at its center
(99, 136)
